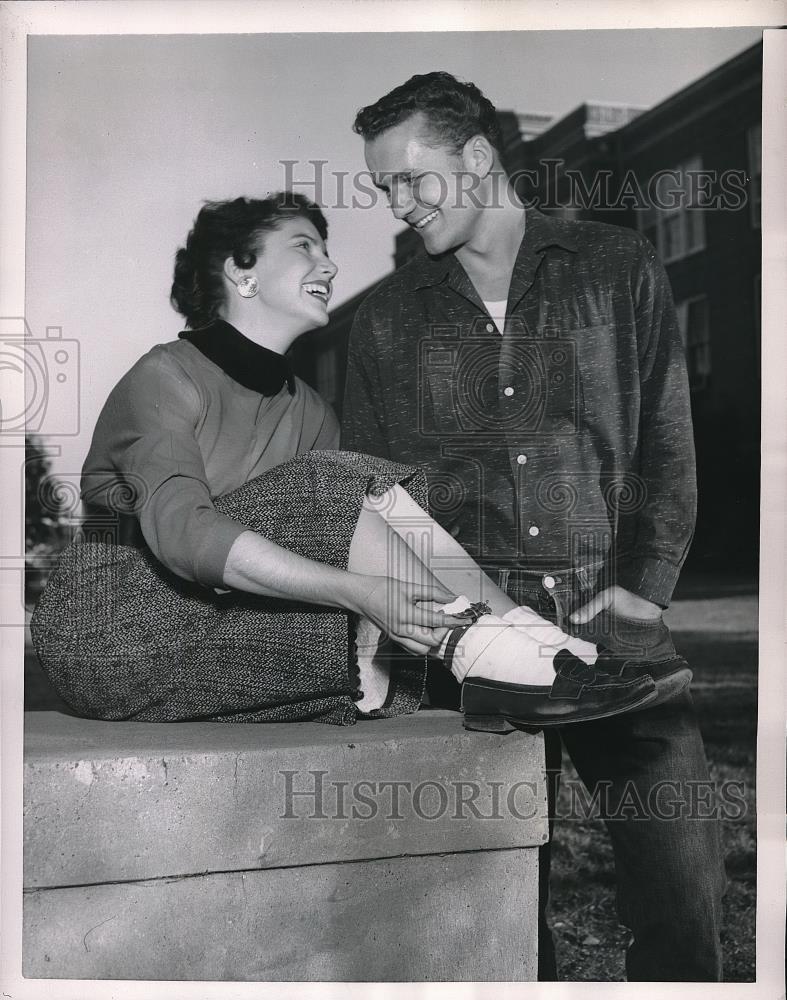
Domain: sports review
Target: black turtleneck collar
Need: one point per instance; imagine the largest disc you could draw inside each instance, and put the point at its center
(255, 367)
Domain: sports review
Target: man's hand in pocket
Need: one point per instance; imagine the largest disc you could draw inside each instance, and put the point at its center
(619, 601)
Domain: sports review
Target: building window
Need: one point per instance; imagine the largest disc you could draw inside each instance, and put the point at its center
(754, 143)
(675, 225)
(695, 330)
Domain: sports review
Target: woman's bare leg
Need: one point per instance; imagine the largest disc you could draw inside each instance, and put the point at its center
(376, 549)
(432, 548)
(509, 658)
(436, 552)
(395, 537)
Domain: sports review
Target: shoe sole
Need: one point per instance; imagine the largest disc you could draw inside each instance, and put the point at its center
(499, 722)
(671, 685)
(666, 689)
(489, 724)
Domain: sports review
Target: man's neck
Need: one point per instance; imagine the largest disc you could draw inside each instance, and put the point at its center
(489, 257)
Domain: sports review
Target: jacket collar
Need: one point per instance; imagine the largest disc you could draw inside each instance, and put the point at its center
(541, 232)
(255, 367)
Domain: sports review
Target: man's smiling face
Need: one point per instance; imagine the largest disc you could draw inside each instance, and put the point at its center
(428, 185)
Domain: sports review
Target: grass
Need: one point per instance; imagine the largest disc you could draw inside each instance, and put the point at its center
(589, 940)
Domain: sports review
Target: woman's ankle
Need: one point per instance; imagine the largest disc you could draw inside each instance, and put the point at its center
(498, 650)
(550, 635)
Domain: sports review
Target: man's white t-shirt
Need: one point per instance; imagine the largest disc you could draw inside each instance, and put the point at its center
(497, 313)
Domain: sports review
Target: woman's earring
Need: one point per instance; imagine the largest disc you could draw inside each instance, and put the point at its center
(248, 286)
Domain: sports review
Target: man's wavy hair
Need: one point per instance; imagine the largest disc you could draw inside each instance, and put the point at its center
(455, 111)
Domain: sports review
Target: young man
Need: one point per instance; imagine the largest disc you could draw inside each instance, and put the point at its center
(534, 368)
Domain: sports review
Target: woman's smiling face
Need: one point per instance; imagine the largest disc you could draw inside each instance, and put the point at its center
(295, 276)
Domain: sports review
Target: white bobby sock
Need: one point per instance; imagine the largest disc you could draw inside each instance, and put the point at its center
(549, 635)
(496, 649)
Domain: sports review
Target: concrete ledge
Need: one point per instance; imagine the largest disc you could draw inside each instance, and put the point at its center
(441, 919)
(111, 802)
(393, 850)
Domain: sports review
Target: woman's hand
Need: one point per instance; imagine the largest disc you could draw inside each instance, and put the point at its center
(259, 566)
(393, 606)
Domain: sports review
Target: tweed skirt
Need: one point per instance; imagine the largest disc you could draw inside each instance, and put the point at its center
(121, 637)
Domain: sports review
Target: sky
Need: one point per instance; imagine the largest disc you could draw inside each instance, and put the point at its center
(127, 135)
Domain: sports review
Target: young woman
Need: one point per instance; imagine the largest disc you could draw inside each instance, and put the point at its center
(235, 566)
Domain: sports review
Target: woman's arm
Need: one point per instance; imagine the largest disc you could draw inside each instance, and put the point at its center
(145, 460)
(259, 566)
(146, 437)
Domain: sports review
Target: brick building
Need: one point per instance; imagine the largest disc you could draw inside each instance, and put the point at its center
(686, 173)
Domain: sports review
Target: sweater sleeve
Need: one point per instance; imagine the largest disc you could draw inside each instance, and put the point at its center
(145, 444)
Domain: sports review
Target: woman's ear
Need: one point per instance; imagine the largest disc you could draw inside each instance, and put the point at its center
(478, 155)
(232, 271)
(246, 284)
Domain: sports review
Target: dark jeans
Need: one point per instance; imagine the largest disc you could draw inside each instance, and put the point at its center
(670, 875)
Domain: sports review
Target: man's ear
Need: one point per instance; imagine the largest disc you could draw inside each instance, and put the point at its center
(478, 155)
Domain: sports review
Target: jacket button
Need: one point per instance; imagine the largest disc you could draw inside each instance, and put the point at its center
(549, 582)
(508, 391)
(534, 530)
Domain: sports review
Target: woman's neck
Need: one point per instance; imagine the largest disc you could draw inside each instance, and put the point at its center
(257, 328)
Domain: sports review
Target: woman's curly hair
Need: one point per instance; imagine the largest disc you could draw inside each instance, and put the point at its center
(225, 229)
